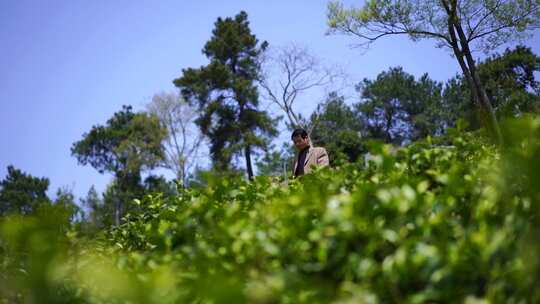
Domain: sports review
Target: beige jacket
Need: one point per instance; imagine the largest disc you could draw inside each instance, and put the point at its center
(316, 157)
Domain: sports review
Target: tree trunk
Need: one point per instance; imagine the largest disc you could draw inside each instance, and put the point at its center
(117, 199)
(486, 109)
(247, 152)
(388, 125)
(184, 177)
(181, 175)
(117, 212)
(468, 66)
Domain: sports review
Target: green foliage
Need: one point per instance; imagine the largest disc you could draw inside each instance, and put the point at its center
(510, 81)
(128, 144)
(459, 26)
(460, 105)
(33, 250)
(397, 108)
(21, 193)
(226, 93)
(158, 184)
(65, 200)
(489, 24)
(94, 212)
(338, 130)
(270, 164)
(444, 220)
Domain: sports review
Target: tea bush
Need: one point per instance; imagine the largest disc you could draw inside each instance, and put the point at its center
(446, 220)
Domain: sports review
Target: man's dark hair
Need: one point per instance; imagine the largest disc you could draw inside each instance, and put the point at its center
(299, 132)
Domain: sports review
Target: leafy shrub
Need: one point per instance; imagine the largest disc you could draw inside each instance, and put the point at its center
(446, 220)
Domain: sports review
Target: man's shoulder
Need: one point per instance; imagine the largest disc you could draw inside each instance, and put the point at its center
(319, 149)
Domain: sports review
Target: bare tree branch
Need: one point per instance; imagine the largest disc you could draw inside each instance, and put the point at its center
(184, 139)
(289, 72)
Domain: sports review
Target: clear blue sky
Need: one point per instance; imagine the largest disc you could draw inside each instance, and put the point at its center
(68, 65)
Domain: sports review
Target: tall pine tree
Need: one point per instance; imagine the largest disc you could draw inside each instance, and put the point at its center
(226, 93)
(22, 193)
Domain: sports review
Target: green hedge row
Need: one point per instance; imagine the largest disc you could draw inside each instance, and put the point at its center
(435, 222)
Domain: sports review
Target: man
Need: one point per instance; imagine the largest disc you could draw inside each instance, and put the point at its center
(308, 156)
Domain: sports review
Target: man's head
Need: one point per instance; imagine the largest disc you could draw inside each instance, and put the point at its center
(300, 139)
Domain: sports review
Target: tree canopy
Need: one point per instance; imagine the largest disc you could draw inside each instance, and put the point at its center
(128, 144)
(227, 95)
(336, 127)
(22, 193)
(183, 142)
(460, 26)
(397, 108)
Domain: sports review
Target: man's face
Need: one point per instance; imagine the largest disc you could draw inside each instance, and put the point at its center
(300, 143)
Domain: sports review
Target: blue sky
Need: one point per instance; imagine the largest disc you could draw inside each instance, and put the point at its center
(69, 65)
